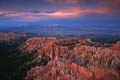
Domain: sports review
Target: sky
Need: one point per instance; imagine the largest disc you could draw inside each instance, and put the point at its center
(60, 12)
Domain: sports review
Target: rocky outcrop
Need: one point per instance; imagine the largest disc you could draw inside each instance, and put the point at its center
(56, 70)
(71, 58)
(33, 44)
(72, 41)
(36, 43)
(95, 56)
(116, 46)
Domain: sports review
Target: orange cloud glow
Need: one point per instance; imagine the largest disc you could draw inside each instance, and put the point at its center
(61, 14)
(72, 12)
(64, 1)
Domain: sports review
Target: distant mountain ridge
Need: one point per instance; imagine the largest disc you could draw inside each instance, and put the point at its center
(102, 34)
(11, 36)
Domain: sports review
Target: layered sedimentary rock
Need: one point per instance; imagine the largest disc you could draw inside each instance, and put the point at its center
(72, 59)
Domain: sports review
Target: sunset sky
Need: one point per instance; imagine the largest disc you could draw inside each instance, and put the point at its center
(61, 12)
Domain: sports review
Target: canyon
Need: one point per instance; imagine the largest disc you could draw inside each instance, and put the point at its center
(52, 58)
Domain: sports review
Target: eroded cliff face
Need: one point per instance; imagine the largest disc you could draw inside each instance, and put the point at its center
(116, 46)
(56, 70)
(71, 59)
(33, 44)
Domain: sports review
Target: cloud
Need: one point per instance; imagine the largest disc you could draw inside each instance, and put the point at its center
(70, 1)
(106, 2)
(112, 4)
(88, 3)
(68, 13)
(63, 1)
